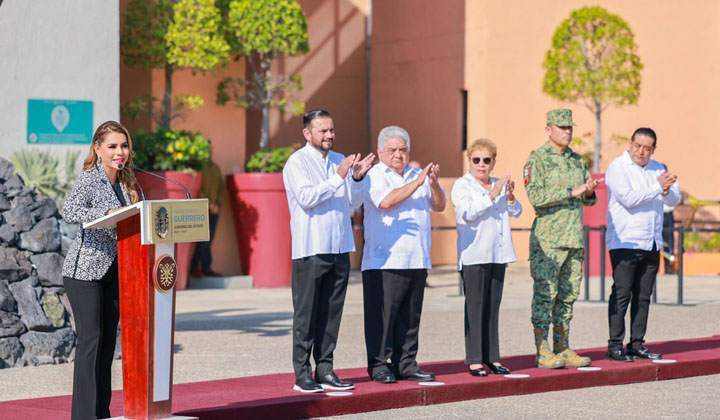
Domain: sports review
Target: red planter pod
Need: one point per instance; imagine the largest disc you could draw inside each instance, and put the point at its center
(596, 216)
(158, 189)
(262, 224)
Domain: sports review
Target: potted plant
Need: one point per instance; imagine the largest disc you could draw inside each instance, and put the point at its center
(262, 217)
(171, 35)
(178, 155)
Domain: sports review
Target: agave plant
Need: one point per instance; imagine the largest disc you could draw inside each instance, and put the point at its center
(40, 170)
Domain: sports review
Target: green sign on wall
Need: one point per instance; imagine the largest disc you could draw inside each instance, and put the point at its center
(53, 121)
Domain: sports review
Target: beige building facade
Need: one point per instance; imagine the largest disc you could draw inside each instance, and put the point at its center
(457, 70)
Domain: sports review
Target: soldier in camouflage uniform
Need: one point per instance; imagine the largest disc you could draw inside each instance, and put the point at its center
(558, 185)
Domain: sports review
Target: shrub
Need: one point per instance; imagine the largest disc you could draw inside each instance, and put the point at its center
(270, 160)
(171, 150)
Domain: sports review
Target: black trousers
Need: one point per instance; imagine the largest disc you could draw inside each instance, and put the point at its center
(634, 274)
(96, 310)
(319, 284)
(392, 302)
(202, 255)
(483, 285)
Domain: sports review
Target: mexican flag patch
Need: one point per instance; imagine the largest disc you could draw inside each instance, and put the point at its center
(526, 175)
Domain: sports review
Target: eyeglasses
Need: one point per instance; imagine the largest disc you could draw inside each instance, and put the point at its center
(485, 160)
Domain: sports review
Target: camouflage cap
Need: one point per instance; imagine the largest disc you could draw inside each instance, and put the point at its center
(559, 117)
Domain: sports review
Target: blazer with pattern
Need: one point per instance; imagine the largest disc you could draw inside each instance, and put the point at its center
(93, 250)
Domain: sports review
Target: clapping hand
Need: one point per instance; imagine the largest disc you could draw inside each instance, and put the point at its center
(509, 188)
(434, 175)
(666, 180)
(345, 165)
(497, 188)
(360, 167)
(587, 188)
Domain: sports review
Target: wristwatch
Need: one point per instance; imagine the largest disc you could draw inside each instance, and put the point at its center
(570, 195)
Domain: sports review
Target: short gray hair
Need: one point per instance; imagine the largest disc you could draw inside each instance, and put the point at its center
(392, 131)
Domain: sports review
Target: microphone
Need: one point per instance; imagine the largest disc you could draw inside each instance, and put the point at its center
(187, 192)
(132, 178)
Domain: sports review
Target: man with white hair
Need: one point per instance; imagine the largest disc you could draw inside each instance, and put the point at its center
(396, 256)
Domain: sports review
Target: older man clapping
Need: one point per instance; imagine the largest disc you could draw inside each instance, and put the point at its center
(396, 256)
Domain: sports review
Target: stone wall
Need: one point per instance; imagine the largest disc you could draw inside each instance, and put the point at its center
(36, 325)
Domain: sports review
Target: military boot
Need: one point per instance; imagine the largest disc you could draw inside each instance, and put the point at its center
(545, 358)
(562, 348)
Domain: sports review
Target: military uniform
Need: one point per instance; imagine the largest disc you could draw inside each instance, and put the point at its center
(556, 240)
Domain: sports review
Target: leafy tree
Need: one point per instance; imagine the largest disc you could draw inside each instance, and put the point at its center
(593, 61)
(261, 31)
(171, 35)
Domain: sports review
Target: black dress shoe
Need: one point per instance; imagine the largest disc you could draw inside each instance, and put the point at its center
(477, 372)
(306, 384)
(420, 376)
(644, 352)
(384, 377)
(498, 370)
(332, 382)
(618, 355)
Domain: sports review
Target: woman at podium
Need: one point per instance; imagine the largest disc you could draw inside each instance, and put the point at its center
(90, 270)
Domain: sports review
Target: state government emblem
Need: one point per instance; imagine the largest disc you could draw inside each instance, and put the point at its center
(162, 222)
(165, 273)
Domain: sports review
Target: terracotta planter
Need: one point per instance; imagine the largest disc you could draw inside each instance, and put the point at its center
(262, 224)
(596, 216)
(157, 189)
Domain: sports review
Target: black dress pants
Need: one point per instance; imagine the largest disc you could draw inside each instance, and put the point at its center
(634, 274)
(483, 285)
(392, 302)
(319, 283)
(96, 310)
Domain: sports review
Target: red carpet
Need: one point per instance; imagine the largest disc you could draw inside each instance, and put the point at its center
(271, 396)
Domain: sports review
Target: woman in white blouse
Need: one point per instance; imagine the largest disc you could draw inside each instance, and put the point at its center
(483, 205)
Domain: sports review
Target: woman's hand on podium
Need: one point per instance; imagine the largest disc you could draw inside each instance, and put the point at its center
(111, 211)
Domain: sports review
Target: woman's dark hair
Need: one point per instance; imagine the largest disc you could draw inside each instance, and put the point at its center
(311, 115)
(645, 131)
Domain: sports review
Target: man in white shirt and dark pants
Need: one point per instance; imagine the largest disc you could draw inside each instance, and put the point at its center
(317, 182)
(396, 256)
(638, 187)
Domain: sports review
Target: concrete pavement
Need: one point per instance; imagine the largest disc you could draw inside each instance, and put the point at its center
(231, 333)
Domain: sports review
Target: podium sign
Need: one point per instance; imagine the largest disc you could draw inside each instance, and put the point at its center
(147, 233)
(172, 221)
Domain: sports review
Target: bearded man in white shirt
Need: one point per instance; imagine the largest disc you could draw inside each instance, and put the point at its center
(396, 256)
(638, 188)
(317, 182)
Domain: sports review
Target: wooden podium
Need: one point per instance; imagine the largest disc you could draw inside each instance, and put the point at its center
(147, 234)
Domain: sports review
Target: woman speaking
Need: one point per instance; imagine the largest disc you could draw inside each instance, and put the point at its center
(90, 270)
(482, 205)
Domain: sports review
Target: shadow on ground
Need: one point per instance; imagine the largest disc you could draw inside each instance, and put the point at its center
(265, 324)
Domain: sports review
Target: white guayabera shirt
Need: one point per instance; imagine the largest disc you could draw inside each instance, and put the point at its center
(399, 237)
(635, 204)
(483, 225)
(320, 203)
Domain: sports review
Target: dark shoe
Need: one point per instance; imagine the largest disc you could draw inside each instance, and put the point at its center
(211, 273)
(644, 353)
(477, 372)
(332, 382)
(196, 273)
(384, 377)
(618, 355)
(498, 370)
(306, 384)
(420, 376)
